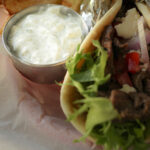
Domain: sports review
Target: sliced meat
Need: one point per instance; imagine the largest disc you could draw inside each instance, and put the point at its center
(121, 102)
(121, 71)
(123, 78)
(105, 90)
(131, 106)
(106, 41)
(102, 93)
(122, 44)
(147, 85)
(141, 81)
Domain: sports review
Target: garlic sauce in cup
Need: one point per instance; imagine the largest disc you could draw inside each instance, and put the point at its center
(46, 36)
(40, 38)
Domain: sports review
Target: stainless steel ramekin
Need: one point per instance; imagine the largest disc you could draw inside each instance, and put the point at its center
(48, 73)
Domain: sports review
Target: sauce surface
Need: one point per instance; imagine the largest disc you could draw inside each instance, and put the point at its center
(45, 37)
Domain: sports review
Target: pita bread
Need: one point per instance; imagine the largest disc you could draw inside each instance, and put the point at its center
(145, 10)
(68, 92)
(14, 6)
(4, 15)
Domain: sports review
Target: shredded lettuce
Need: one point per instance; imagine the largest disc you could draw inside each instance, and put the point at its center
(115, 135)
(93, 70)
(100, 110)
(101, 115)
(98, 70)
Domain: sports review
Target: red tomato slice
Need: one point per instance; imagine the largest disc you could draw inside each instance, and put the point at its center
(133, 60)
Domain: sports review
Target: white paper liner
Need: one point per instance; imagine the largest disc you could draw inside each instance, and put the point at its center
(30, 114)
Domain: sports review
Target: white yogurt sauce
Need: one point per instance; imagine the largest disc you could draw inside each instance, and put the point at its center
(45, 37)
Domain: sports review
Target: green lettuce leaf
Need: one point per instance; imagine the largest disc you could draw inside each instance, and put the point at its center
(100, 110)
(82, 77)
(93, 70)
(125, 135)
(98, 71)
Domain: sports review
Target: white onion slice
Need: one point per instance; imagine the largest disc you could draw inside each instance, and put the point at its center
(143, 44)
(134, 43)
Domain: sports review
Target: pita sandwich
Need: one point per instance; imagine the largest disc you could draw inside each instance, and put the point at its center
(105, 93)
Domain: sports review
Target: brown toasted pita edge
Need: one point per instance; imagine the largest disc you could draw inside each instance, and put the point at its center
(4, 17)
(14, 6)
(145, 10)
(69, 93)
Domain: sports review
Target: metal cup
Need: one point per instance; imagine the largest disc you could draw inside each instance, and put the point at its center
(47, 73)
